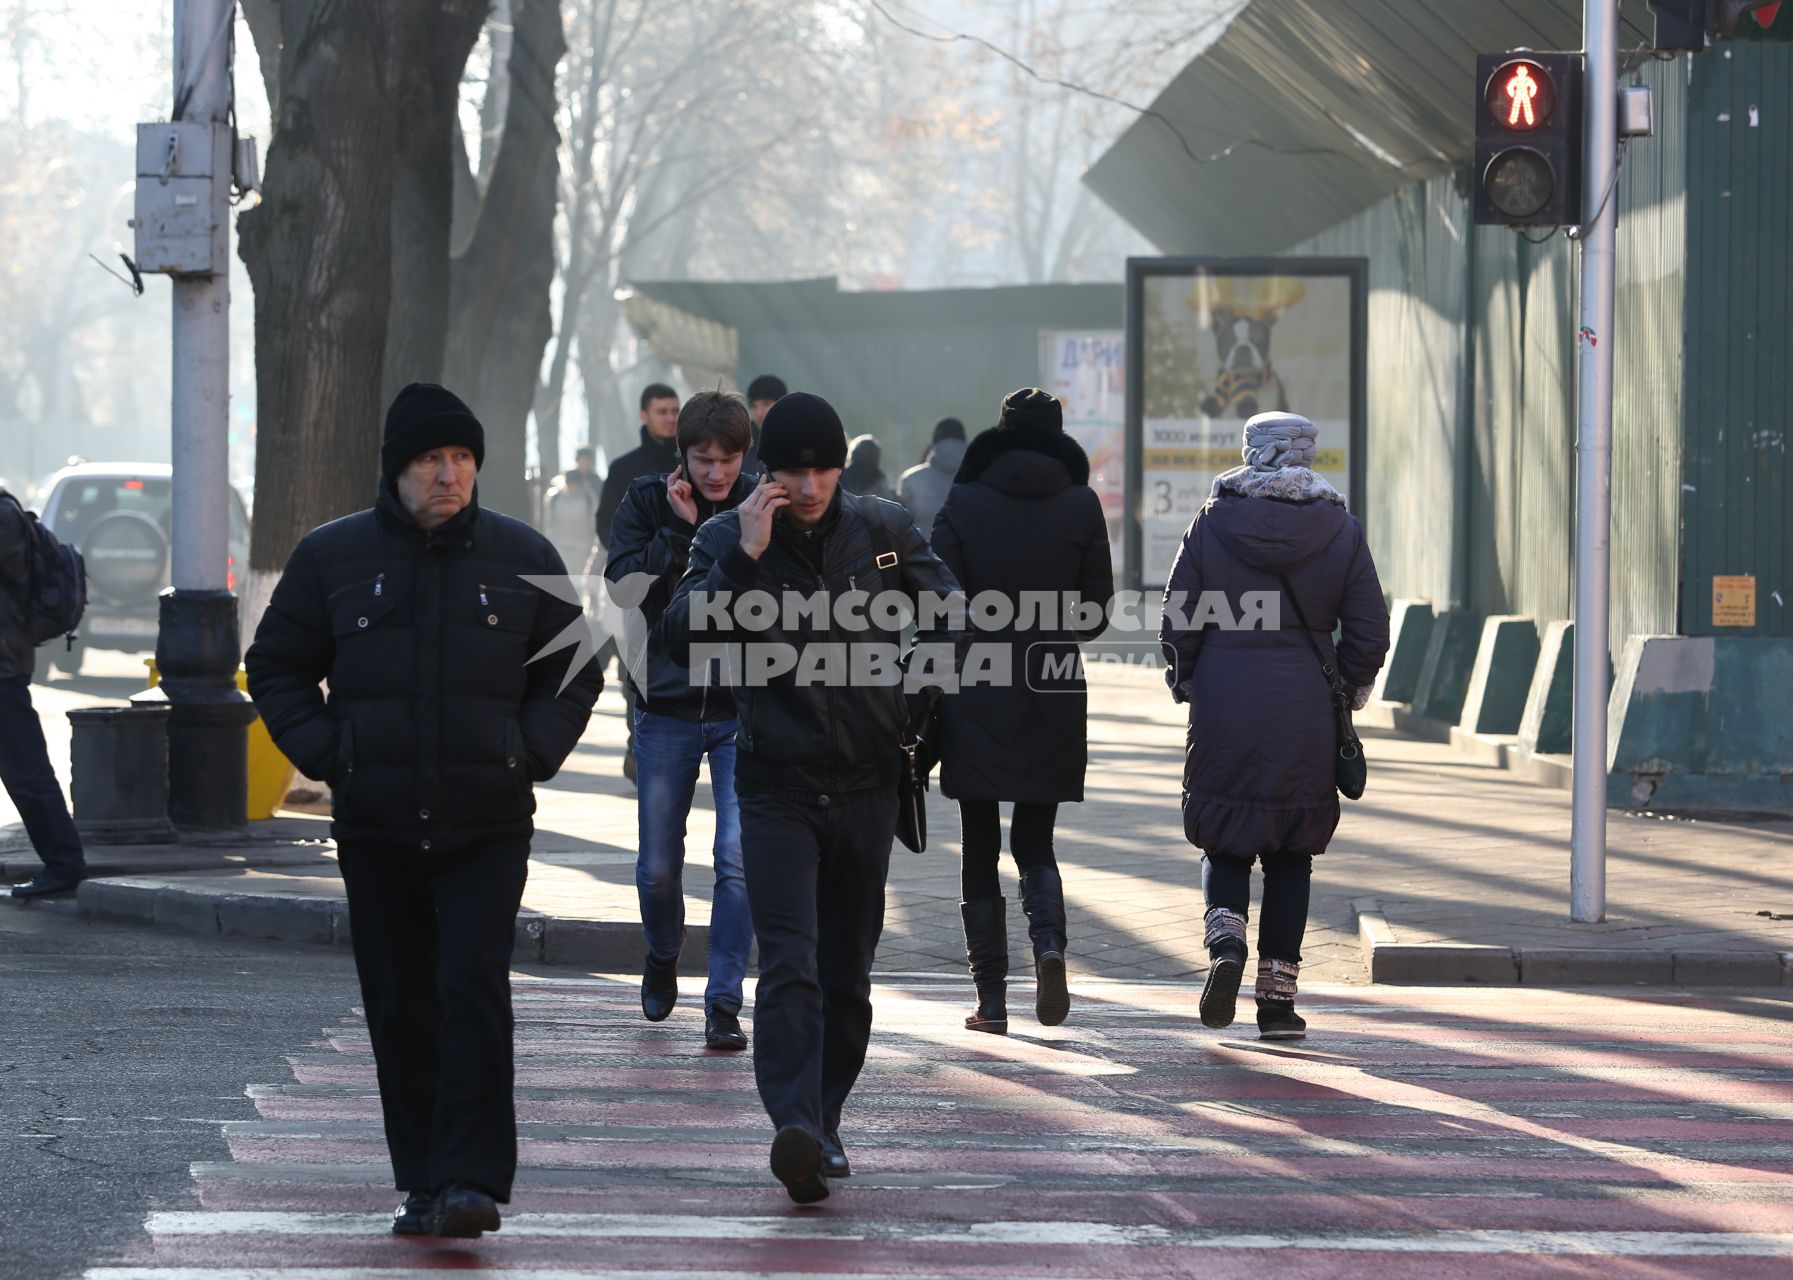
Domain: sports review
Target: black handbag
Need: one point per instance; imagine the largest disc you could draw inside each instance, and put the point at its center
(1350, 771)
(919, 748)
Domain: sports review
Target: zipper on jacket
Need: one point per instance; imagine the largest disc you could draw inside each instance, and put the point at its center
(379, 585)
(482, 597)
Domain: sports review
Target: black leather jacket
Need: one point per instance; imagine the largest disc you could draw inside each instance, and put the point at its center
(811, 738)
(647, 537)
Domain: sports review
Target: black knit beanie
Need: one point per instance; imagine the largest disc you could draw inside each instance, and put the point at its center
(1032, 407)
(425, 416)
(802, 430)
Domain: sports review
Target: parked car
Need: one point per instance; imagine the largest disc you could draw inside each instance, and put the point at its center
(118, 516)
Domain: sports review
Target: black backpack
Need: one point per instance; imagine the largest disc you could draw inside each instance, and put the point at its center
(56, 584)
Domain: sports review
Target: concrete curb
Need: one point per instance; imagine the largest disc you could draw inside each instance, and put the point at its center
(605, 946)
(1452, 964)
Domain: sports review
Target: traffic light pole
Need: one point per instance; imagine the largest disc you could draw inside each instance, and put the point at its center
(1593, 459)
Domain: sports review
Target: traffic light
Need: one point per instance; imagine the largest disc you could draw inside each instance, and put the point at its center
(1693, 24)
(1528, 139)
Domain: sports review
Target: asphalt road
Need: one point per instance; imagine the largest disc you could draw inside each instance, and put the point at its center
(120, 1051)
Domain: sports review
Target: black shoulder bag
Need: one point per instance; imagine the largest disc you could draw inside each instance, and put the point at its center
(1349, 769)
(918, 747)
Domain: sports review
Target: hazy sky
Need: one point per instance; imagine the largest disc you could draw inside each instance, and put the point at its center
(105, 64)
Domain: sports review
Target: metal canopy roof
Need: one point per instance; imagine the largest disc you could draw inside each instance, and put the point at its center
(820, 304)
(1305, 112)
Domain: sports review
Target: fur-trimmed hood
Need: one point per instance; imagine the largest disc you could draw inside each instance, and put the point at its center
(990, 445)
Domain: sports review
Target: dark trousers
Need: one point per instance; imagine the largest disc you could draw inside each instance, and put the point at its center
(980, 834)
(31, 782)
(1282, 917)
(815, 883)
(433, 936)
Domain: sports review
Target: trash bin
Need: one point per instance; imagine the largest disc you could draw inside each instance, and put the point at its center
(119, 774)
(270, 773)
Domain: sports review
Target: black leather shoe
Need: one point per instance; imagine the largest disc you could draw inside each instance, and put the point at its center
(834, 1158)
(659, 988)
(722, 1030)
(42, 886)
(797, 1162)
(463, 1212)
(416, 1216)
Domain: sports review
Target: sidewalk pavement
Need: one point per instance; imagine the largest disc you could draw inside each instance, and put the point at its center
(1449, 871)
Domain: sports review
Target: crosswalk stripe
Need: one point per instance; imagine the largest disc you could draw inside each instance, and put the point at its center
(1412, 1127)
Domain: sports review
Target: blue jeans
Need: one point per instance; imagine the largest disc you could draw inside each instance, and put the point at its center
(668, 754)
(31, 782)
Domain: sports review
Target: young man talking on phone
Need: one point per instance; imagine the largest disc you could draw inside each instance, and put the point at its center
(816, 764)
(678, 721)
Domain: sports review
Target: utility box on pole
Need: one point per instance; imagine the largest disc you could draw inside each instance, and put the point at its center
(183, 211)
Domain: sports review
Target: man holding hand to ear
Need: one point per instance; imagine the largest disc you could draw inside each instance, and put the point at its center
(680, 718)
(817, 756)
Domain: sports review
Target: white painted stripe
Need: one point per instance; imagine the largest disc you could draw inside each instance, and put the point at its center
(534, 1273)
(1636, 1244)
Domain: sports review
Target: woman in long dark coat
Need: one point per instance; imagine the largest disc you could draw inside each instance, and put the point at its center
(1258, 773)
(1020, 520)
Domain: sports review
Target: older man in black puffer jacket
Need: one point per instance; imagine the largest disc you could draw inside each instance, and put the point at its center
(436, 726)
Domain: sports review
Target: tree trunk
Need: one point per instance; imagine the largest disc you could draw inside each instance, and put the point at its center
(318, 250)
(430, 48)
(500, 321)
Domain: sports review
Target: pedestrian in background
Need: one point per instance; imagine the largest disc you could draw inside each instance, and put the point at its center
(922, 488)
(816, 765)
(437, 726)
(570, 512)
(1258, 774)
(762, 393)
(1022, 518)
(680, 720)
(25, 767)
(864, 474)
(657, 455)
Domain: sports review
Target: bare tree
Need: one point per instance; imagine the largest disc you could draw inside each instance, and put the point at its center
(500, 320)
(318, 249)
(430, 48)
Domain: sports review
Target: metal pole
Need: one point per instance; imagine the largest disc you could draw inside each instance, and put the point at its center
(198, 643)
(1593, 459)
(201, 417)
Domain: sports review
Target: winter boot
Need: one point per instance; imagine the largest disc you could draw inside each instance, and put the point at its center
(1277, 1019)
(987, 950)
(1224, 936)
(1043, 898)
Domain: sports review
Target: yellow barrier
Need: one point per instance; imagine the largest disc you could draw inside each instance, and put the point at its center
(270, 773)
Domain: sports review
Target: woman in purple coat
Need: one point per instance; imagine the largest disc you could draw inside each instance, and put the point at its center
(1258, 769)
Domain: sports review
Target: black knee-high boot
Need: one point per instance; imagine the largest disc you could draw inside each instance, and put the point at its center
(1043, 898)
(987, 951)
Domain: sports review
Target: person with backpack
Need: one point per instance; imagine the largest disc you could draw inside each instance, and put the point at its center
(43, 589)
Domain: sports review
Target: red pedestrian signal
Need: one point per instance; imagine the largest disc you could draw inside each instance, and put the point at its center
(1528, 139)
(1521, 95)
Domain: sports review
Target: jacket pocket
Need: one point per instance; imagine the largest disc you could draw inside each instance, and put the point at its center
(516, 757)
(342, 775)
(361, 606)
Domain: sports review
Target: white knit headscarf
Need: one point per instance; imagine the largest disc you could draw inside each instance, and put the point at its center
(1279, 453)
